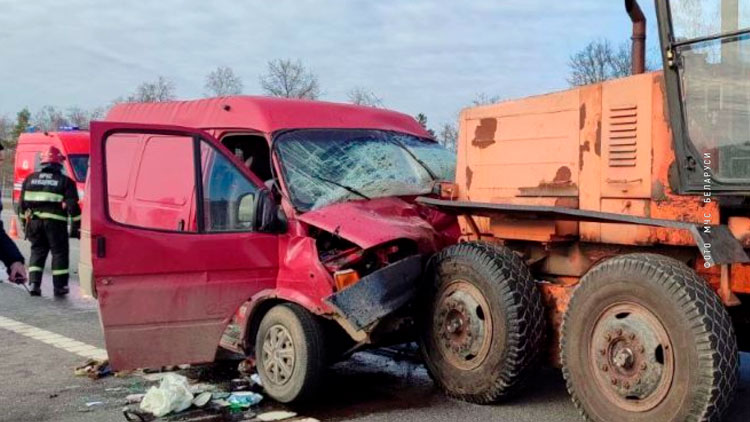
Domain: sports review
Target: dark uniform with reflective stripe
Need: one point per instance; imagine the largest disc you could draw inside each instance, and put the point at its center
(48, 197)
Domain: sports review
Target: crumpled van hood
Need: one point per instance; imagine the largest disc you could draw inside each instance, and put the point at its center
(376, 221)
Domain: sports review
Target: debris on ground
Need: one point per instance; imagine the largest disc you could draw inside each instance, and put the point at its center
(239, 384)
(137, 415)
(94, 403)
(172, 395)
(94, 369)
(202, 399)
(196, 394)
(134, 398)
(247, 366)
(243, 400)
(276, 415)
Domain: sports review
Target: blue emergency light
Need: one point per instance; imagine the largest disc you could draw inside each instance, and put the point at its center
(69, 128)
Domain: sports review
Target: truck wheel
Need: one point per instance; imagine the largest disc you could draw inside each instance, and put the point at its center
(646, 339)
(289, 353)
(482, 322)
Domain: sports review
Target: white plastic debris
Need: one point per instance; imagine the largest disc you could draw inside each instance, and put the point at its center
(172, 395)
(276, 415)
(134, 398)
(202, 399)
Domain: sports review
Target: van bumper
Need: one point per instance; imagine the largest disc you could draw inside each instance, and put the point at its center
(379, 293)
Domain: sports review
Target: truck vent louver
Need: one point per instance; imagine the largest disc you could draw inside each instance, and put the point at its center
(623, 134)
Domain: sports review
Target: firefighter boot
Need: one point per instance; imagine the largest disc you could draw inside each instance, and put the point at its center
(35, 289)
(61, 291)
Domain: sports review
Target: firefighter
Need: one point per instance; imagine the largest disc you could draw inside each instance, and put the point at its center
(48, 198)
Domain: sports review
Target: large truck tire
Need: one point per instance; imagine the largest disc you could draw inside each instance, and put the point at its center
(482, 321)
(290, 353)
(646, 339)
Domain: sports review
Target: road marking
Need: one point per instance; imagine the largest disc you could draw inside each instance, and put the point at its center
(53, 339)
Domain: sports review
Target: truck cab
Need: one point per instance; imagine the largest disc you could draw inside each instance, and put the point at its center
(74, 145)
(260, 225)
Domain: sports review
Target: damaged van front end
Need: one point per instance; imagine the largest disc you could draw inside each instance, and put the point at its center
(352, 195)
(283, 230)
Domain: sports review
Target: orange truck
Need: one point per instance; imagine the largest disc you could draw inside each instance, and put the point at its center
(616, 216)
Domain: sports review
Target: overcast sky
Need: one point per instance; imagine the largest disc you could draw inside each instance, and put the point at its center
(430, 56)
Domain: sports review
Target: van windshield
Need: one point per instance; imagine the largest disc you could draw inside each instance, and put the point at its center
(80, 165)
(326, 166)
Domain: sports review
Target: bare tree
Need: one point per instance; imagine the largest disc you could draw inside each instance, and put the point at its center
(363, 96)
(290, 79)
(6, 129)
(48, 119)
(448, 136)
(600, 61)
(422, 120)
(592, 64)
(81, 118)
(162, 89)
(483, 98)
(222, 81)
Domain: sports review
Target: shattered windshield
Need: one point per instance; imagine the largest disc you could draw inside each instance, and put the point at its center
(322, 167)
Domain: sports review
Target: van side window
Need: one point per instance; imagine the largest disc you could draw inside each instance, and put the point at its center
(151, 181)
(228, 196)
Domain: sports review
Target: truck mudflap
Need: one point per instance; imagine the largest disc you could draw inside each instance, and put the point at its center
(716, 243)
(379, 293)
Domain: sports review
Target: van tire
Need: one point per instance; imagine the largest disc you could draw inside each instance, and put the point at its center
(472, 357)
(623, 320)
(294, 336)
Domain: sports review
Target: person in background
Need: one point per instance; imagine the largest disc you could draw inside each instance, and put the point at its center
(48, 198)
(12, 258)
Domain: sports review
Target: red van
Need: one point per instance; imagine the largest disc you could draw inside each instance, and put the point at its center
(73, 143)
(281, 229)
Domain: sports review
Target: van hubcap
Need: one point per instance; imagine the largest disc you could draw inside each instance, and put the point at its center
(278, 355)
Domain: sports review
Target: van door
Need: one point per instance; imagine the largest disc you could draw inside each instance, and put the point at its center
(171, 242)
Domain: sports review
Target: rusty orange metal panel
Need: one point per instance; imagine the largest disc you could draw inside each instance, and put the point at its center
(589, 162)
(625, 234)
(626, 137)
(527, 148)
(740, 278)
(538, 231)
(556, 299)
(740, 228)
(665, 203)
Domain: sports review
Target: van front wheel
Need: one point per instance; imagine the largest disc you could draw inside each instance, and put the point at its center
(289, 353)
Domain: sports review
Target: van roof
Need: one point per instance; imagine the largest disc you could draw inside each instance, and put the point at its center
(73, 142)
(264, 114)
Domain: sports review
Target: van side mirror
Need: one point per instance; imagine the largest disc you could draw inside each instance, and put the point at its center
(268, 215)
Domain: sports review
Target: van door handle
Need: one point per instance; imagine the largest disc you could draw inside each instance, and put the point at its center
(181, 225)
(101, 247)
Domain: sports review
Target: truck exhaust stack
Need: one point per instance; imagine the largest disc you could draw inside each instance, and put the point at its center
(639, 36)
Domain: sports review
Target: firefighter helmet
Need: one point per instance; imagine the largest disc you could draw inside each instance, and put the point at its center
(52, 155)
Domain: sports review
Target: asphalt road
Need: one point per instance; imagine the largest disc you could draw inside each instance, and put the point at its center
(38, 382)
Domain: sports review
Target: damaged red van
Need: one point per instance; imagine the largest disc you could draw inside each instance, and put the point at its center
(281, 229)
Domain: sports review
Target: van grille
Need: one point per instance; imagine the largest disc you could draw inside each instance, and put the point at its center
(623, 136)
